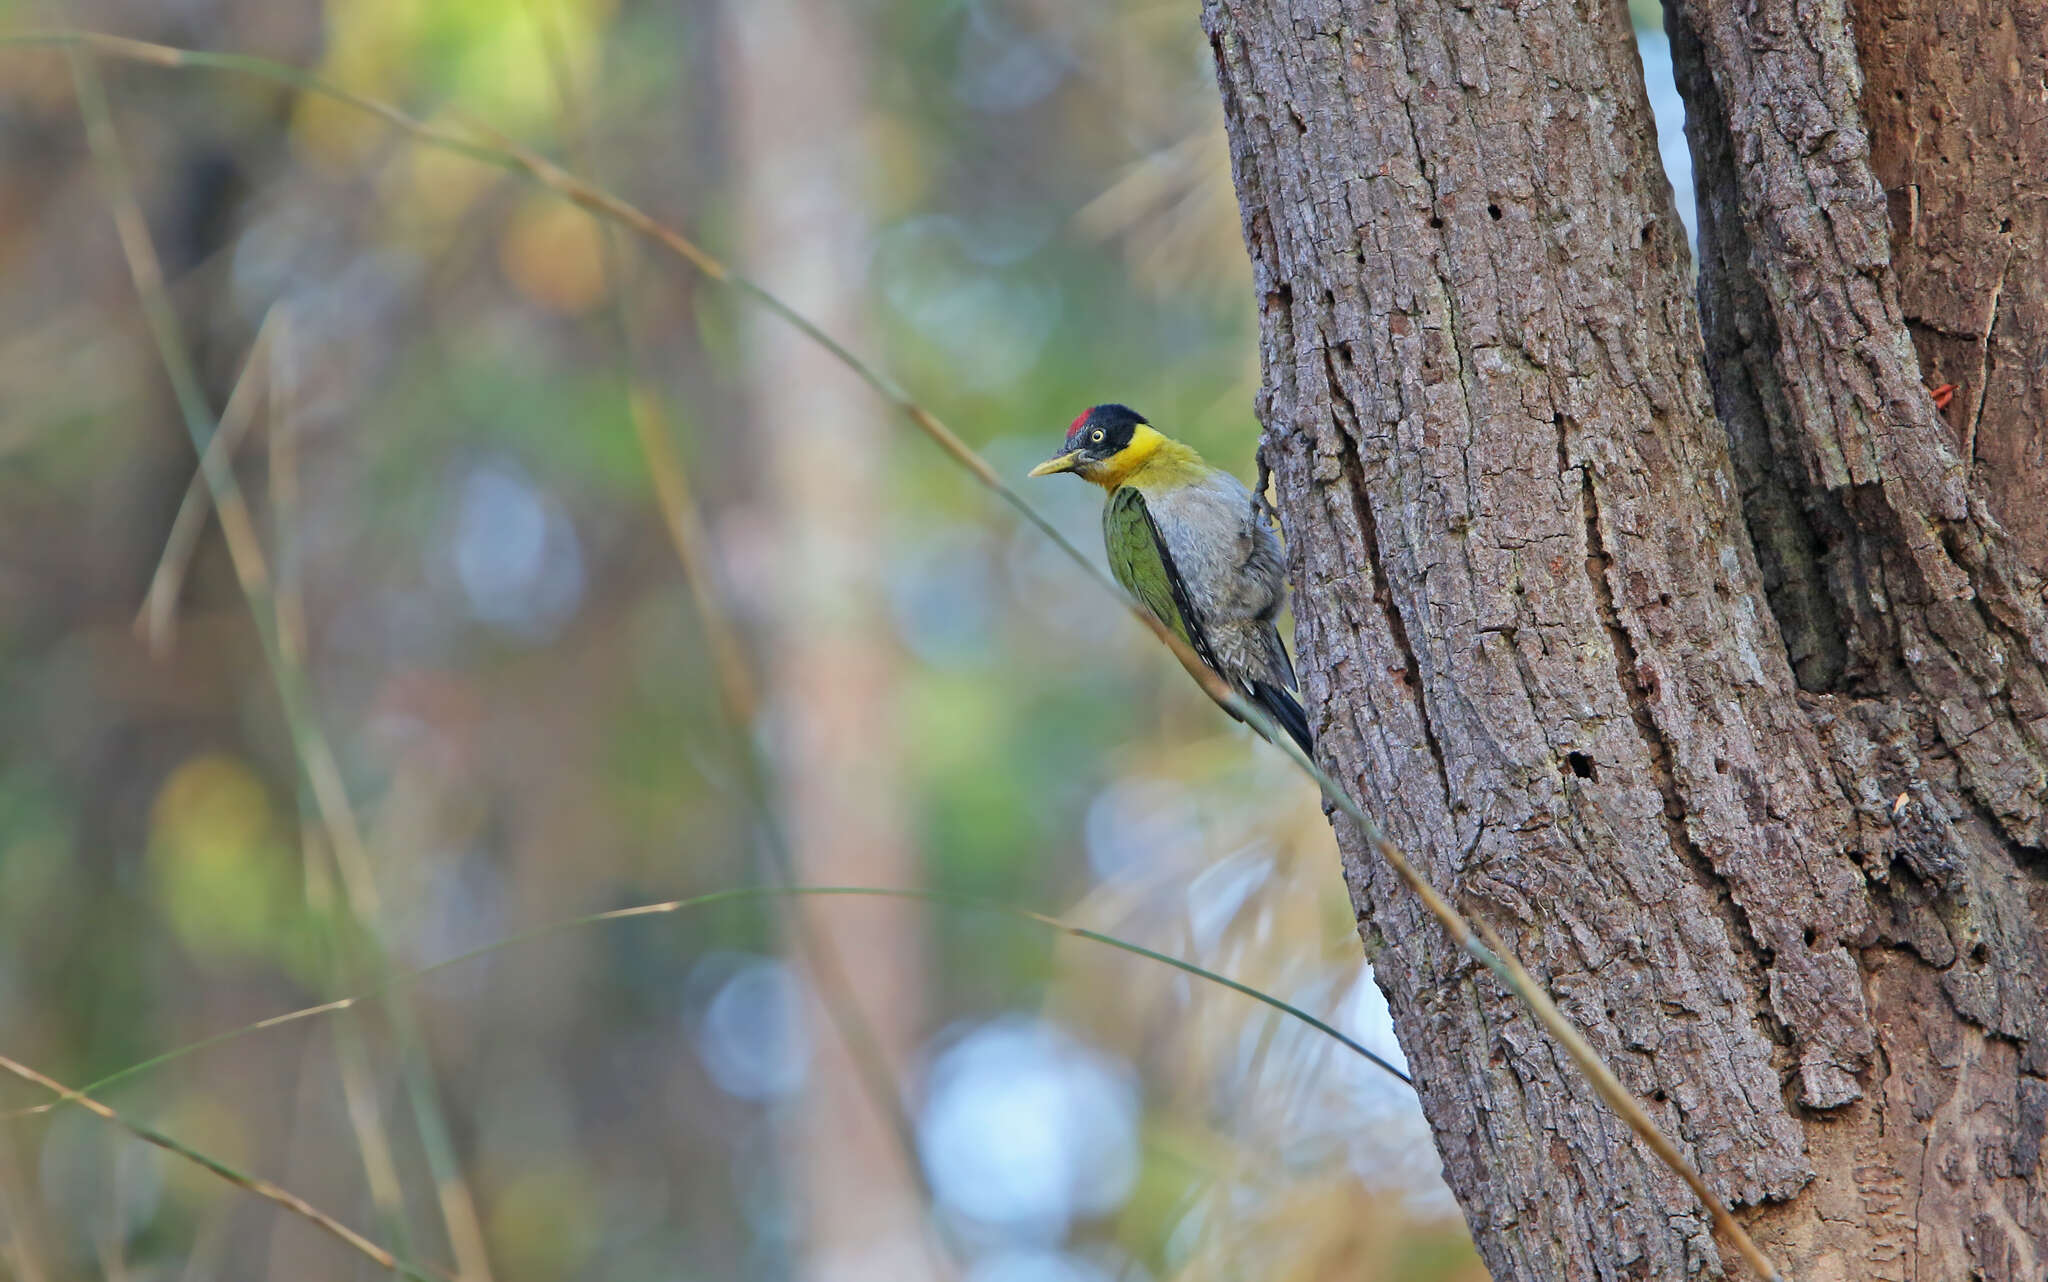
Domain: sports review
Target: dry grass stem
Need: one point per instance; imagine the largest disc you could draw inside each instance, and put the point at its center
(262, 1188)
(686, 534)
(157, 620)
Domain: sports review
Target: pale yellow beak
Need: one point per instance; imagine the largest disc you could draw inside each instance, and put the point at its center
(1060, 463)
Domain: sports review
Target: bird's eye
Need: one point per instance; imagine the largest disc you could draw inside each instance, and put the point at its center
(1096, 436)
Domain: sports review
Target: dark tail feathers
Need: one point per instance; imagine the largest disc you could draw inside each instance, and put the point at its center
(1286, 713)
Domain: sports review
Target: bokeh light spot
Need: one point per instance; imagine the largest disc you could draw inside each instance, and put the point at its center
(1025, 1129)
(516, 557)
(752, 1037)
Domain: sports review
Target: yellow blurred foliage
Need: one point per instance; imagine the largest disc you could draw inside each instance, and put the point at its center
(554, 254)
(1332, 1229)
(219, 871)
(543, 1223)
(438, 186)
(490, 56)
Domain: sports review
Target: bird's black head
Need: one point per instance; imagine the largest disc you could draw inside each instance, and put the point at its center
(1098, 435)
(1101, 431)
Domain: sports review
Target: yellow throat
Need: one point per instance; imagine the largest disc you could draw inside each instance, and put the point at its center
(1150, 460)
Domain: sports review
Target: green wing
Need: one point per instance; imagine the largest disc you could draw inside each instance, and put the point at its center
(1140, 560)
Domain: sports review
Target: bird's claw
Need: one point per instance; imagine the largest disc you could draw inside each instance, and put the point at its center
(1261, 505)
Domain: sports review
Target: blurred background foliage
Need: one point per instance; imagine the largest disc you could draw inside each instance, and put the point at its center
(1018, 208)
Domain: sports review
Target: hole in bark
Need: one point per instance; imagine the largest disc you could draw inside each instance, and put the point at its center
(1435, 223)
(1720, 765)
(1659, 1095)
(1809, 936)
(1493, 212)
(2004, 226)
(1582, 765)
(1979, 954)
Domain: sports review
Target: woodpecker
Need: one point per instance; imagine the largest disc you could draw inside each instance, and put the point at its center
(1183, 538)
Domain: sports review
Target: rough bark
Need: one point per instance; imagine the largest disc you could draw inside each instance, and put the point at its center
(1956, 97)
(1638, 665)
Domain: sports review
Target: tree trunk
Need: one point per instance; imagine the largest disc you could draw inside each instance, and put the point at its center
(1698, 663)
(796, 80)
